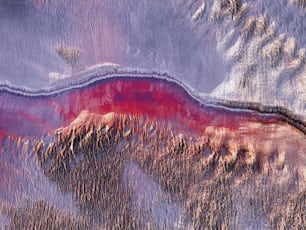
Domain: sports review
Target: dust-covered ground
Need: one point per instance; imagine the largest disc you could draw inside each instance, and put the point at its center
(242, 50)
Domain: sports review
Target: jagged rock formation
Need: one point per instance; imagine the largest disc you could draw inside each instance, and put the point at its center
(217, 180)
(69, 54)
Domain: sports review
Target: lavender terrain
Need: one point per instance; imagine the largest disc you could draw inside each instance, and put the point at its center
(237, 53)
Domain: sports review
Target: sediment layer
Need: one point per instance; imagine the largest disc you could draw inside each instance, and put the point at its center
(24, 112)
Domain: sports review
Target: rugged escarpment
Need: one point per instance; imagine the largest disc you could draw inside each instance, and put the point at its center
(132, 171)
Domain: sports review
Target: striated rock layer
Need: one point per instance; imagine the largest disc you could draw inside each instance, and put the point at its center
(142, 153)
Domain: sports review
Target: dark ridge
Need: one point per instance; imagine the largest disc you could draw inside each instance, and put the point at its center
(283, 113)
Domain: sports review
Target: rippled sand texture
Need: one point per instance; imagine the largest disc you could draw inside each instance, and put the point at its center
(179, 114)
(268, 65)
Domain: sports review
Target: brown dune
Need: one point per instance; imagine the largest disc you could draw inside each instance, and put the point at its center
(221, 179)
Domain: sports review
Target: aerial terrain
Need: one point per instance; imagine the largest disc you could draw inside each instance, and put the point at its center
(153, 114)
